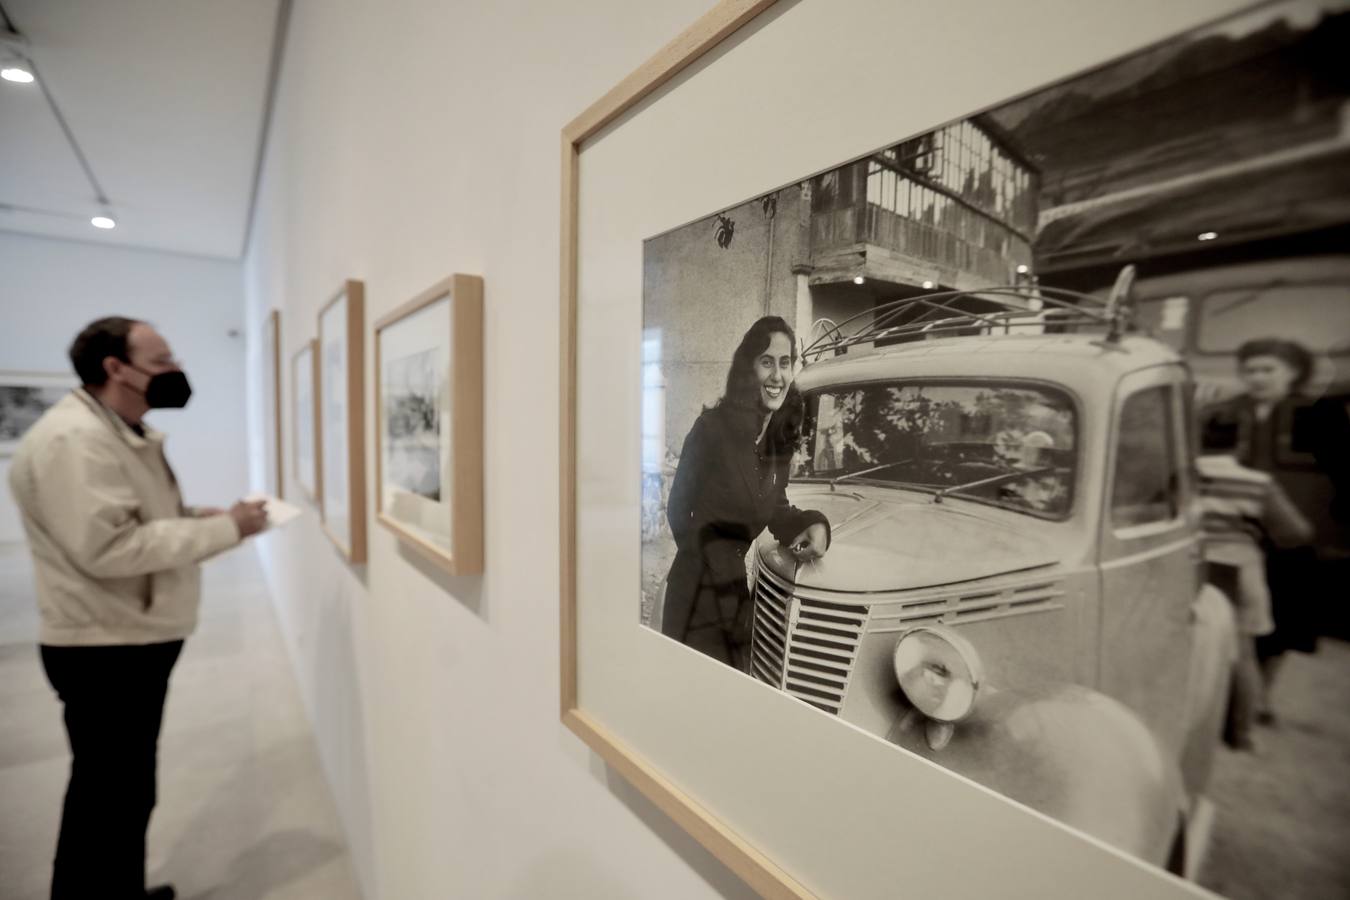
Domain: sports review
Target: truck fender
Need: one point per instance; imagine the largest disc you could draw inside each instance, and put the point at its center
(1072, 753)
(1213, 654)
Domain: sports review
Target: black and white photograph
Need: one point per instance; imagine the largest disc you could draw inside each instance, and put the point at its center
(414, 347)
(305, 426)
(341, 431)
(271, 430)
(414, 388)
(24, 397)
(1023, 444)
(428, 432)
(333, 369)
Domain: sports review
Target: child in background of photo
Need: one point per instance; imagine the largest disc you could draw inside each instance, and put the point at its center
(1242, 508)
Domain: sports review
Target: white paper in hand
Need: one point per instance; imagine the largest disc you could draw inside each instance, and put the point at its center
(279, 512)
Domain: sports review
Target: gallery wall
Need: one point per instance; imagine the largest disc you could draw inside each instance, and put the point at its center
(411, 141)
(52, 288)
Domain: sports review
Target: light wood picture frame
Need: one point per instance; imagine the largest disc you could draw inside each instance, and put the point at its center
(342, 445)
(305, 419)
(429, 423)
(759, 871)
(272, 410)
(656, 107)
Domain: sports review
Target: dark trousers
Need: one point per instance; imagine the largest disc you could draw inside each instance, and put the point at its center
(114, 703)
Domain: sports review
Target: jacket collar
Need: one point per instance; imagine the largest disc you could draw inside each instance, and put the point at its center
(117, 423)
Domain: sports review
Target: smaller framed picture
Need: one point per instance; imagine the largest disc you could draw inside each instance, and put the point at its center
(429, 423)
(342, 438)
(305, 419)
(25, 396)
(272, 403)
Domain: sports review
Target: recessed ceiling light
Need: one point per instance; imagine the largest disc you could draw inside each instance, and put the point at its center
(1207, 235)
(102, 222)
(1023, 269)
(16, 75)
(858, 279)
(928, 285)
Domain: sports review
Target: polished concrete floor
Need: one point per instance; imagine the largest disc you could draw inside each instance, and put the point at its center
(244, 811)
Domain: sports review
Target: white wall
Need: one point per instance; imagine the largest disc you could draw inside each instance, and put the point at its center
(413, 140)
(50, 289)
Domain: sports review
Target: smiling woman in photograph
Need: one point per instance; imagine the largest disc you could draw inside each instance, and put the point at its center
(729, 486)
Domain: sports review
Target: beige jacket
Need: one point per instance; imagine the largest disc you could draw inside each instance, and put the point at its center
(115, 552)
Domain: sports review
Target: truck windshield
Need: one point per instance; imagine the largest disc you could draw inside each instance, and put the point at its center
(955, 438)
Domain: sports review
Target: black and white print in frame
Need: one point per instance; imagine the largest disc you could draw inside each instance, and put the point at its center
(1028, 449)
(24, 397)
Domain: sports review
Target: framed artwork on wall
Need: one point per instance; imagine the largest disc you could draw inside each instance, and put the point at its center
(429, 423)
(342, 444)
(879, 532)
(276, 467)
(24, 397)
(307, 427)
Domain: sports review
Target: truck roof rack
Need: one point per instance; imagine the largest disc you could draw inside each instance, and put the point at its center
(1017, 308)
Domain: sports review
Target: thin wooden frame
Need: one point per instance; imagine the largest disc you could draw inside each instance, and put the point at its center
(316, 413)
(354, 292)
(464, 293)
(756, 869)
(759, 871)
(274, 360)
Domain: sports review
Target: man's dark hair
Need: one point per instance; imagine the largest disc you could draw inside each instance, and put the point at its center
(99, 340)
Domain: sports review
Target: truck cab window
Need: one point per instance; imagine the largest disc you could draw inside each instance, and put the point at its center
(1146, 483)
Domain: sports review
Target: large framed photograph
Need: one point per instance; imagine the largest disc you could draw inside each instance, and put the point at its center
(276, 466)
(953, 463)
(24, 397)
(429, 423)
(342, 444)
(305, 420)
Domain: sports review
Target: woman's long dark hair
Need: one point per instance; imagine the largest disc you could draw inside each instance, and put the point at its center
(784, 433)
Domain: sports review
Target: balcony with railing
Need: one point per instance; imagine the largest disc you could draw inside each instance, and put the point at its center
(957, 201)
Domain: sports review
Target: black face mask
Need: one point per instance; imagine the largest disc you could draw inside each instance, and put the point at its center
(166, 390)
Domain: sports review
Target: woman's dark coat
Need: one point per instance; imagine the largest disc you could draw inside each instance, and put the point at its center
(728, 488)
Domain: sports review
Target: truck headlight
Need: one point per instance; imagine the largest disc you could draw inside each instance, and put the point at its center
(939, 671)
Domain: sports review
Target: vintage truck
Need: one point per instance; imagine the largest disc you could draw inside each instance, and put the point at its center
(1015, 586)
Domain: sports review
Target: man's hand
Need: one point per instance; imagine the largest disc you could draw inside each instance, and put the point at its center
(250, 516)
(811, 544)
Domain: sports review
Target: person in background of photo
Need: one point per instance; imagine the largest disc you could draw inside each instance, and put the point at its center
(730, 485)
(115, 558)
(1258, 426)
(1243, 511)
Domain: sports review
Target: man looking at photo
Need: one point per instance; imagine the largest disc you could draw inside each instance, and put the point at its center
(116, 556)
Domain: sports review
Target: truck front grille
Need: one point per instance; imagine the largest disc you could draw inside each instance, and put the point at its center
(804, 646)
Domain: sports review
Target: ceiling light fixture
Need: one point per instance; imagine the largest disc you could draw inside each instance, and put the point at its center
(1023, 269)
(928, 285)
(14, 64)
(1207, 235)
(17, 65)
(858, 279)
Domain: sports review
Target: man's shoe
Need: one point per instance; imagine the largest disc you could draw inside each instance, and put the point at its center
(163, 892)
